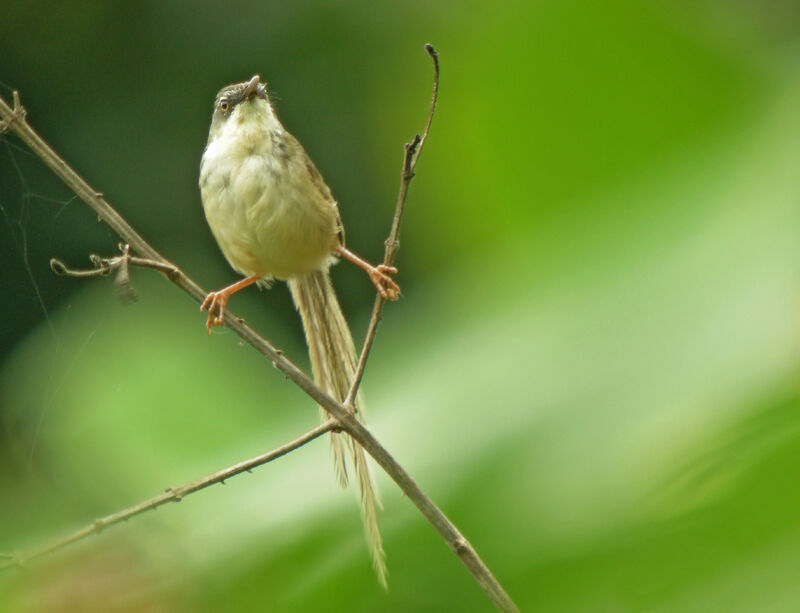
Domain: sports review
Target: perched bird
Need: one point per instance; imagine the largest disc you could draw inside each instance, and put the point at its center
(274, 217)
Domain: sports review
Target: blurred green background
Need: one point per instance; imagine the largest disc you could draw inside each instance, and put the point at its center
(593, 370)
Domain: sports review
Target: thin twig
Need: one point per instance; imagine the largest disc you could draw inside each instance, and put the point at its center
(457, 542)
(171, 494)
(103, 266)
(412, 151)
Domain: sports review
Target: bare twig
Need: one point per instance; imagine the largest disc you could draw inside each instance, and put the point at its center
(451, 535)
(120, 263)
(171, 494)
(412, 151)
(103, 266)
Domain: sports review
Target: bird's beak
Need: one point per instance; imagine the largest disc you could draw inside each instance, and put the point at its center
(252, 87)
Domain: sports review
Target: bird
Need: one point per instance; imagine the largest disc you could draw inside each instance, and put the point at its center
(274, 217)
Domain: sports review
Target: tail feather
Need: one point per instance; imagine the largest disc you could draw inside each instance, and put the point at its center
(333, 364)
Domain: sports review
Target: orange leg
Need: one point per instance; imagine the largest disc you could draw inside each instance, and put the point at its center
(218, 300)
(379, 275)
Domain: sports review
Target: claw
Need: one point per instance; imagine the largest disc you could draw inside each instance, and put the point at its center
(215, 301)
(387, 288)
(218, 300)
(379, 275)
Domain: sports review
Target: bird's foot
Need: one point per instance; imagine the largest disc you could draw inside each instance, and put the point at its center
(215, 301)
(379, 275)
(387, 288)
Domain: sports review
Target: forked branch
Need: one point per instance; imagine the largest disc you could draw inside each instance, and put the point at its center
(412, 153)
(13, 120)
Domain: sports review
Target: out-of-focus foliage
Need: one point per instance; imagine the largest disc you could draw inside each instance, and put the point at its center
(593, 369)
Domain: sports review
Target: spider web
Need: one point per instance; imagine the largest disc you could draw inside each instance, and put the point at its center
(36, 215)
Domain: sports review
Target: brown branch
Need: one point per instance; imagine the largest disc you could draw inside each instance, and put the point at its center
(171, 494)
(14, 121)
(412, 152)
(120, 263)
(103, 266)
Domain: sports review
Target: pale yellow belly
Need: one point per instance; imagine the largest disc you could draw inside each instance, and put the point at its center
(267, 221)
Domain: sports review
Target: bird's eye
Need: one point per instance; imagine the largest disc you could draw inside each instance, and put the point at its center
(224, 105)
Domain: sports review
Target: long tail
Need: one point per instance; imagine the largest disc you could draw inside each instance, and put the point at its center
(333, 363)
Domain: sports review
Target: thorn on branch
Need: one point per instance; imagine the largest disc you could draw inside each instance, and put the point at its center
(18, 114)
(174, 494)
(460, 545)
(412, 146)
